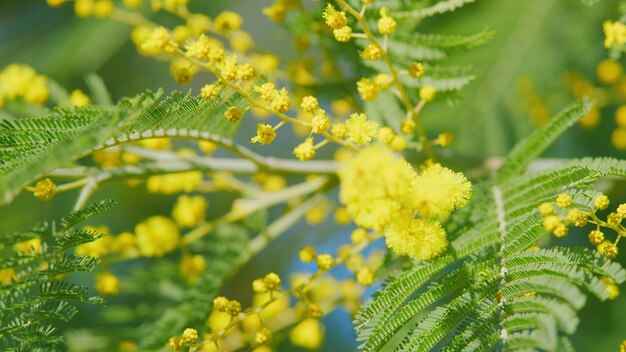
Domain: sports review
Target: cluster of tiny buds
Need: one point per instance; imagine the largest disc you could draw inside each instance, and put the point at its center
(44, 189)
(354, 262)
(557, 222)
(324, 261)
(224, 305)
(186, 339)
(269, 283)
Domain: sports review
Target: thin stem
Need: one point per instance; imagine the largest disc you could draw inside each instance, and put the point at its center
(246, 207)
(276, 228)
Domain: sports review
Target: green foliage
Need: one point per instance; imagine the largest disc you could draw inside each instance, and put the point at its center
(39, 295)
(32, 146)
(489, 290)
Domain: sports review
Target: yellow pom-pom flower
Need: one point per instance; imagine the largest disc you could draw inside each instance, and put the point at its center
(439, 190)
(233, 114)
(45, 189)
(614, 33)
(609, 71)
(417, 70)
(308, 334)
(307, 254)
(209, 91)
(368, 89)
(334, 19)
(563, 200)
(372, 52)
(189, 336)
(325, 261)
(309, 104)
(227, 21)
(305, 150)
(376, 184)
(265, 134)
(79, 99)
(189, 211)
(386, 24)
(360, 130)
(427, 93)
(416, 238)
(157, 236)
(320, 123)
(343, 34)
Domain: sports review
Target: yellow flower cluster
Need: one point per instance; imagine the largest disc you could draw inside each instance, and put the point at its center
(124, 244)
(191, 266)
(29, 247)
(157, 236)
(45, 189)
(614, 33)
(278, 10)
(22, 82)
(611, 92)
(7, 276)
(189, 211)
(174, 183)
(382, 192)
(107, 284)
(556, 221)
(186, 339)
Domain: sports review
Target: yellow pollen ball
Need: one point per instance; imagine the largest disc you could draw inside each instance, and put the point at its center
(227, 21)
(233, 114)
(307, 334)
(427, 93)
(305, 150)
(189, 211)
(107, 284)
(343, 34)
(609, 71)
(307, 254)
(209, 91)
(618, 138)
(157, 236)
(84, 8)
(365, 276)
(309, 104)
(372, 52)
(439, 191)
(386, 24)
(417, 70)
(320, 123)
(563, 200)
(79, 99)
(334, 19)
(360, 130)
(368, 89)
(265, 134)
(416, 238)
(103, 8)
(620, 116)
(325, 262)
(614, 33)
(189, 336)
(45, 189)
(55, 3)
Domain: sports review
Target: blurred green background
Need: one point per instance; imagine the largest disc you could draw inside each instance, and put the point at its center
(536, 43)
